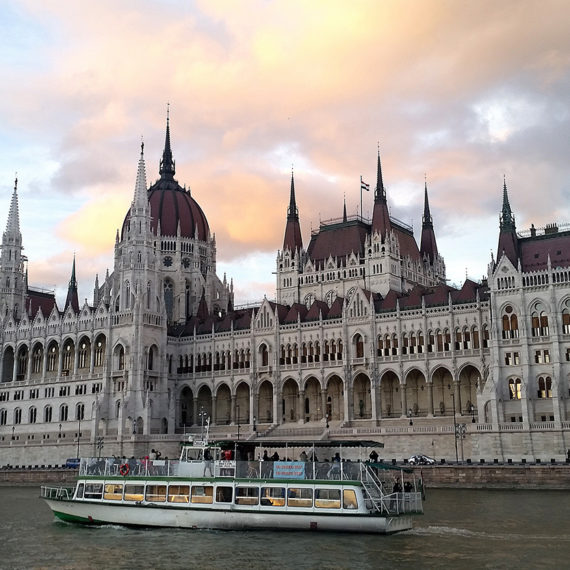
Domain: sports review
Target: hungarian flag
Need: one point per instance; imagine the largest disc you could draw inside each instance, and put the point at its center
(364, 185)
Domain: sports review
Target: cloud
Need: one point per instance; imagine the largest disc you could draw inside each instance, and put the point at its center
(461, 92)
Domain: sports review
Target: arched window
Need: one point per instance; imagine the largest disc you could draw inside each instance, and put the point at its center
(544, 387)
(48, 411)
(515, 386)
(32, 415)
(37, 359)
(539, 320)
(169, 299)
(83, 355)
(359, 346)
(63, 413)
(121, 359)
(264, 355)
(566, 320)
(510, 323)
(80, 411)
(53, 356)
(68, 356)
(99, 351)
(127, 295)
(17, 416)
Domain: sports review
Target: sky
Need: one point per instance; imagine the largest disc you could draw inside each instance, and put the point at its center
(461, 95)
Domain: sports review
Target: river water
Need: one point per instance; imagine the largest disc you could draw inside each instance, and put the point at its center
(460, 529)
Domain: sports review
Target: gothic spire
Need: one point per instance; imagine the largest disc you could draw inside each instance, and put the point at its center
(167, 169)
(344, 217)
(427, 219)
(380, 215)
(13, 225)
(72, 297)
(380, 194)
(508, 240)
(293, 239)
(507, 221)
(140, 200)
(428, 245)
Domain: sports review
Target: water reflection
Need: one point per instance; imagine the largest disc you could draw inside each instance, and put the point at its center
(478, 529)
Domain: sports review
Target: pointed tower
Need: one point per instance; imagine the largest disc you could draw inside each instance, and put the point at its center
(72, 296)
(293, 240)
(167, 167)
(12, 263)
(380, 215)
(428, 245)
(290, 260)
(508, 241)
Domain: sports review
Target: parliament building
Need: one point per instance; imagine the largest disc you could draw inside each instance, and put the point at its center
(365, 339)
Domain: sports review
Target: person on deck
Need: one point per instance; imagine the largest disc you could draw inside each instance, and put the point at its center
(208, 462)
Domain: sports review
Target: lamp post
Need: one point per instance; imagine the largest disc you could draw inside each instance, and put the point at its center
(327, 420)
(134, 426)
(59, 436)
(13, 429)
(238, 424)
(254, 425)
(410, 416)
(78, 433)
(472, 410)
(454, 427)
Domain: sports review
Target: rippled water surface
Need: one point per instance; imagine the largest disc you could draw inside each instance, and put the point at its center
(460, 529)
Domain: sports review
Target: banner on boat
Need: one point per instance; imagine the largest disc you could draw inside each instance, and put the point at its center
(289, 470)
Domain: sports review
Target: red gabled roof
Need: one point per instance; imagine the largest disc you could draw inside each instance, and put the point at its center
(317, 308)
(534, 251)
(36, 300)
(296, 310)
(337, 241)
(335, 312)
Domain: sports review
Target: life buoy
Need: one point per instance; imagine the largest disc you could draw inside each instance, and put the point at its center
(124, 469)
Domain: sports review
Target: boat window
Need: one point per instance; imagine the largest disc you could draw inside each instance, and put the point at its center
(113, 492)
(247, 495)
(349, 499)
(80, 489)
(299, 497)
(202, 494)
(93, 490)
(327, 498)
(224, 494)
(273, 496)
(156, 493)
(134, 492)
(178, 493)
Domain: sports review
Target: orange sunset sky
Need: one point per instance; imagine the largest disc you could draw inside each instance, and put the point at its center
(461, 93)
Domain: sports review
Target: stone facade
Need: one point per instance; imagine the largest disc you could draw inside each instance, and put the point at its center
(364, 340)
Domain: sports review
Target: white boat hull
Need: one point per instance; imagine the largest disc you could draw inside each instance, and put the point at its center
(229, 518)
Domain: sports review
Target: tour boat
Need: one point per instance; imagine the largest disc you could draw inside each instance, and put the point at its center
(212, 487)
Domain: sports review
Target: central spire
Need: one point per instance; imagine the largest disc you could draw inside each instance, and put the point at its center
(167, 169)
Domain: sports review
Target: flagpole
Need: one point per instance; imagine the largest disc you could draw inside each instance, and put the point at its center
(361, 215)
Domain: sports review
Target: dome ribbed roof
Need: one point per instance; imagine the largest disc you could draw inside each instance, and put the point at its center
(171, 205)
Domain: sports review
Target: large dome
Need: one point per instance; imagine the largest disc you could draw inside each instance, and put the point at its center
(171, 205)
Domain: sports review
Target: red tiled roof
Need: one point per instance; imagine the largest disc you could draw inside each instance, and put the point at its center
(535, 251)
(337, 241)
(293, 314)
(37, 300)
